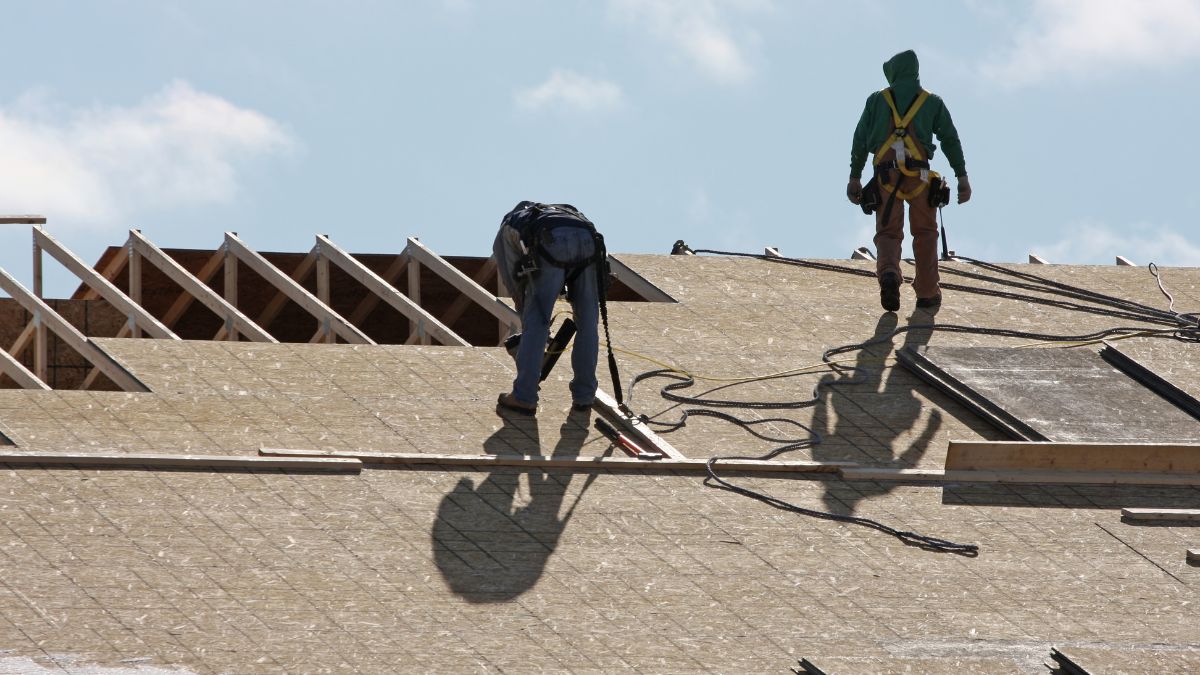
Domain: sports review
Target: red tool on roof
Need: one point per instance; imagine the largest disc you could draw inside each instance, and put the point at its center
(624, 442)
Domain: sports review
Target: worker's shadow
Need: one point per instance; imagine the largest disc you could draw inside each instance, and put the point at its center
(493, 536)
(861, 415)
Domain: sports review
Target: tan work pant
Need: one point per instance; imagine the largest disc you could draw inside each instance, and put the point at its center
(889, 236)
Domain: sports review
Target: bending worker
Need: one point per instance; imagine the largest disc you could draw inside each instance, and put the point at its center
(898, 124)
(540, 250)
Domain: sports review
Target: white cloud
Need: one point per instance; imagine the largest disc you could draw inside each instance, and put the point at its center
(1101, 244)
(1091, 38)
(698, 30)
(95, 167)
(565, 89)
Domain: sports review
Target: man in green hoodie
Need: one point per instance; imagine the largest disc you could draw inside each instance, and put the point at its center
(898, 124)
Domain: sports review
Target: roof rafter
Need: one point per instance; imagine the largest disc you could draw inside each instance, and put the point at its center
(465, 285)
(423, 322)
(142, 246)
(332, 321)
(135, 313)
(42, 313)
(19, 373)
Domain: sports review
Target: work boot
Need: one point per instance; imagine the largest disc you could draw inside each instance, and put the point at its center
(930, 303)
(510, 402)
(889, 291)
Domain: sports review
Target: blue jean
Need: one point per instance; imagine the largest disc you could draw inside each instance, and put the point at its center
(566, 244)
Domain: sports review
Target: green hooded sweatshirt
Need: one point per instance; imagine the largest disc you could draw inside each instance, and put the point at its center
(876, 124)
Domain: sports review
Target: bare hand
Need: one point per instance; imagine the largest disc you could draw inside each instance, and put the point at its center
(964, 190)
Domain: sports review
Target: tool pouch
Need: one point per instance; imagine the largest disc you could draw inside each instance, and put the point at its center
(939, 192)
(871, 198)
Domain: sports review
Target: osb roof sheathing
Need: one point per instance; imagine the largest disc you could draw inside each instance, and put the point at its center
(442, 569)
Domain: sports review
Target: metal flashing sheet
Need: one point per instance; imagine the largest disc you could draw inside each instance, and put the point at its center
(1059, 395)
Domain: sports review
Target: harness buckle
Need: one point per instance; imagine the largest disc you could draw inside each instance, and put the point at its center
(901, 132)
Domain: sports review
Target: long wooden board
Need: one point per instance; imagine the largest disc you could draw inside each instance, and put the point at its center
(483, 462)
(939, 476)
(155, 461)
(1007, 455)
(1155, 515)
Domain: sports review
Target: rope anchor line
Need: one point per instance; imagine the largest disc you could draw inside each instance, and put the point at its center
(1178, 326)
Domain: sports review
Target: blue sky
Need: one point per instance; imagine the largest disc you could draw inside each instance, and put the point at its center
(726, 123)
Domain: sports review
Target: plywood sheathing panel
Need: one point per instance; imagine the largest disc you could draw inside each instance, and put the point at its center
(491, 570)
(560, 571)
(213, 397)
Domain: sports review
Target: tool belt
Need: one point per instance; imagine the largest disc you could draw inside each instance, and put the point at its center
(909, 163)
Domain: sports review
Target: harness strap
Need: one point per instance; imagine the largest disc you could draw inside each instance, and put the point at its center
(914, 165)
(599, 260)
(902, 129)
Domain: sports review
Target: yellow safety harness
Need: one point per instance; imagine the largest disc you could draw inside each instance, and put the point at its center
(903, 132)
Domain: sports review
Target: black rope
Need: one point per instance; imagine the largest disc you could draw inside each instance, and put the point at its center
(1185, 327)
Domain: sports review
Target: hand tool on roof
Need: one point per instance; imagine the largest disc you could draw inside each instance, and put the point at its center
(624, 441)
(558, 345)
(554, 348)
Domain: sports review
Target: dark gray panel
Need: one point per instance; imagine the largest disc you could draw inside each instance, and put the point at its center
(1056, 394)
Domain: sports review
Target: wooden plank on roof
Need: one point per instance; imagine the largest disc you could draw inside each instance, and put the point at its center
(22, 220)
(295, 292)
(939, 476)
(551, 462)
(1130, 457)
(196, 288)
(123, 303)
(1155, 515)
(162, 461)
(19, 373)
(70, 335)
(507, 315)
(422, 321)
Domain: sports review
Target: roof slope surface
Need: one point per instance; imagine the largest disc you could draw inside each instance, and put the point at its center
(445, 569)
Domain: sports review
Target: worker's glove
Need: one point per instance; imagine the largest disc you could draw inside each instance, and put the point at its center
(854, 190)
(964, 190)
